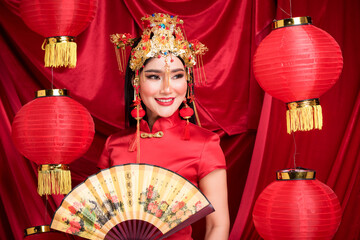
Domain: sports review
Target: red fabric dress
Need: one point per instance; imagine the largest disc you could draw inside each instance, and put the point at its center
(192, 159)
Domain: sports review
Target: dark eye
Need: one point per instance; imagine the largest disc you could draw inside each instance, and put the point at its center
(153, 77)
(177, 76)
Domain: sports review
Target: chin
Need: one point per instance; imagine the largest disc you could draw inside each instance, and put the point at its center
(167, 113)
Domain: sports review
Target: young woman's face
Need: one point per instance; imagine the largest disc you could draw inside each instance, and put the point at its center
(162, 86)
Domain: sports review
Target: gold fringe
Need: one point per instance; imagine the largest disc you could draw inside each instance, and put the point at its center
(304, 118)
(202, 69)
(200, 72)
(196, 114)
(318, 119)
(123, 57)
(137, 134)
(54, 181)
(60, 54)
(119, 59)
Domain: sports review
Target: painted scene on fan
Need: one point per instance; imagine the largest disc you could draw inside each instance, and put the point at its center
(173, 215)
(88, 216)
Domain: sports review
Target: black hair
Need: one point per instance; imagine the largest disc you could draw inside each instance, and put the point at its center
(129, 92)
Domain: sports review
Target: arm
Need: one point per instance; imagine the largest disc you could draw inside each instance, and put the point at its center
(214, 187)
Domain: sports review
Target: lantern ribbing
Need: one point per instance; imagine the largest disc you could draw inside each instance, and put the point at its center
(53, 131)
(297, 207)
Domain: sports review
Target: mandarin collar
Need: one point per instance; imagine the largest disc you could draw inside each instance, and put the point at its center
(162, 123)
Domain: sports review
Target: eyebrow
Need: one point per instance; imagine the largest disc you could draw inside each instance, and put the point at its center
(161, 71)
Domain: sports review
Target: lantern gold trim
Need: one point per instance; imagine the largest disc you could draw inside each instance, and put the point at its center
(60, 51)
(36, 229)
(295, 174)
(49, 167)
(54, 179)
(304, 115)
(59, 39)
(51, 93)
(291, 22)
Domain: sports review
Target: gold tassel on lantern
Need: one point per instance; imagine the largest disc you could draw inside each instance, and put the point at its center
(60, 52)
(54, 179)
(304, 115)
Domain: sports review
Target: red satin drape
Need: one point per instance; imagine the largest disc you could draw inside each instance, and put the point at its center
(252, 127)
(332, 152)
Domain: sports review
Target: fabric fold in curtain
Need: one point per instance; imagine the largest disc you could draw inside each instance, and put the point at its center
(230, 104)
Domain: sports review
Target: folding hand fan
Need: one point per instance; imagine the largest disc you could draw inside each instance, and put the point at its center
(131, 201)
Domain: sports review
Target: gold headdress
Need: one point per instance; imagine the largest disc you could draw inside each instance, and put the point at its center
(163, 34)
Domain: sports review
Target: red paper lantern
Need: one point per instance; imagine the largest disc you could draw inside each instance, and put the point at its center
(59, 21)
(296, 63)
(297, 206)
(53, 130)
(43, 232)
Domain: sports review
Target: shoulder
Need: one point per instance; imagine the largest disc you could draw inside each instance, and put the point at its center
(121, 136)
(203, 133)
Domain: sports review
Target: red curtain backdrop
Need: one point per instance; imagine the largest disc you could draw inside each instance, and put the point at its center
(252, 125)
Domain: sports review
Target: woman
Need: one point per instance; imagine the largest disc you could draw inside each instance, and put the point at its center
(158, 71)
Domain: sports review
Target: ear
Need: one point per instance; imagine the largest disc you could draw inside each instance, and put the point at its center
(132, 81)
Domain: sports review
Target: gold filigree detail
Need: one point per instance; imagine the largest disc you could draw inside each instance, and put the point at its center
(162, 35)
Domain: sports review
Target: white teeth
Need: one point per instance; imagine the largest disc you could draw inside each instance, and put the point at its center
(164, 100)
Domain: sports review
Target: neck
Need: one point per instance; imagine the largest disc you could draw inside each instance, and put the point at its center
(151, 121)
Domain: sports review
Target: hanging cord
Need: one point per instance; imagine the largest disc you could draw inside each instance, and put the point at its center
(52, 78)
(295, 150)
(46, 206)
(287, 12)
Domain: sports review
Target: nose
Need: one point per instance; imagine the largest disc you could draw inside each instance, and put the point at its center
(166, 88)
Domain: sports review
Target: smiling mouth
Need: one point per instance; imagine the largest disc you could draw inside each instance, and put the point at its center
(165, 101)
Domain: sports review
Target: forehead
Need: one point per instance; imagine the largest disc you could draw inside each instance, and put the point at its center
(159, 63)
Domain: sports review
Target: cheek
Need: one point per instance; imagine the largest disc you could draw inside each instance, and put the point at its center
(181, 88)
(148, 88)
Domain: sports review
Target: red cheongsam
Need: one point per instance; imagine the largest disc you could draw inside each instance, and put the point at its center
(192, 159)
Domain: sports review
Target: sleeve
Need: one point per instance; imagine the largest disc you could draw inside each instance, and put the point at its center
(212, 157)
(104, 161)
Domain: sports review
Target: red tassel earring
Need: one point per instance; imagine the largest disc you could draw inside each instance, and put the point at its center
(186, 113)
(138, 113)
